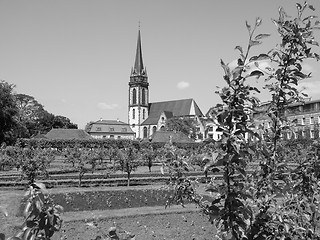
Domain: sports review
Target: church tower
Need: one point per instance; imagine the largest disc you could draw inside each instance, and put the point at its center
(138, 93)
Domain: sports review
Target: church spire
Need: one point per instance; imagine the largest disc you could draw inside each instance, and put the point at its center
(138, 64)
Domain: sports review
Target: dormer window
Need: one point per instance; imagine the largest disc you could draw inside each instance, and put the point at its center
(98, 129)
(111, 129)
(124, 130)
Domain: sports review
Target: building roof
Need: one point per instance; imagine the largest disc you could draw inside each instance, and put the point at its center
(61, 133)
(109, 126)
(184, 107)
(176, 137)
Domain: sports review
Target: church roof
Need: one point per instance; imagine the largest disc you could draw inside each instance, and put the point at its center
(184, 107)
(61, 133)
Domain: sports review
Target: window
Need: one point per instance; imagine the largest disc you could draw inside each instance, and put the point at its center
(119, 137)
(311, 120)
(133, 125)
(124, 129)
(311, 133)
(104, 136)
(98, 129)
(111, 129)
(154, 129)
(210, 128)
(210, 135)
(143, 114)
(145, 132)
(134, 96)
(112, 136)
(289, 135)
(143, 100)
(133, 113)
(303, 121)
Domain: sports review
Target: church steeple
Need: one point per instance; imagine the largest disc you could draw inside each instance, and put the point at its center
(139, 69)
(138, 110)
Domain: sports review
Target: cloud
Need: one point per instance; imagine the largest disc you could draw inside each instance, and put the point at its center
(183, 85)
(106, 106)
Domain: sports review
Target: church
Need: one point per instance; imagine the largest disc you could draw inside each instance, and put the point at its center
(146, 118)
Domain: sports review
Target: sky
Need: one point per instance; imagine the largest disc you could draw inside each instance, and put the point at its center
(75, 56)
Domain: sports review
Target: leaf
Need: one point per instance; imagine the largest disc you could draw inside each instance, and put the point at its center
(248, 26)
(299, 7)
(256, 73)
(226, 70)
(258, 21)
(263, 35)
(312, 8)
(239, 48)
(254, 43)
(260, 57)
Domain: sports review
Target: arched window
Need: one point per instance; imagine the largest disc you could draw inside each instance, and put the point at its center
(133, 113)
(154, 129)
(134, 96)
(143, 100)
(145, 132)
(143, 114)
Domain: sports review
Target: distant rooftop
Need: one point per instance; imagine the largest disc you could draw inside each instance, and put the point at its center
(60, 133)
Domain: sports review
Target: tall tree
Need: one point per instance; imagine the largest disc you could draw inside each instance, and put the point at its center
(8, 112)
(63, 122)
(186, 126)
(30, 111)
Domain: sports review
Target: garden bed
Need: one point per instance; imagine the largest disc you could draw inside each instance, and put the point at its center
(75, 199)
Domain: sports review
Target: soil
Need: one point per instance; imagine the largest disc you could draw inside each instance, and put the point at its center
(146, 223)
(178, 226)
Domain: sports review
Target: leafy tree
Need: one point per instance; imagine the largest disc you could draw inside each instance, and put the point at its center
(129, 160)
(35, 162)
(246, 205)
(29, 114)
(149, 154)
(184, 125)
(63, 122)
(8, 112)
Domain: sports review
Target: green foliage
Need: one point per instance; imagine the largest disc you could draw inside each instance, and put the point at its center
(8, 112)
(41, 214)
(278, 200)
(129, 160)
(186, 126)
(35, 162)
(8, 157)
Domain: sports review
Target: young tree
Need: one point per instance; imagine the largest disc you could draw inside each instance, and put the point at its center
(129, 160)
(245, 205)
(149, 154)
(35, 163)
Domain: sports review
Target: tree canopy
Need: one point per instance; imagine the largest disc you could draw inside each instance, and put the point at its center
(8, 112)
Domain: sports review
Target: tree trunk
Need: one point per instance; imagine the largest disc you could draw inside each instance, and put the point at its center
(128, 179)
